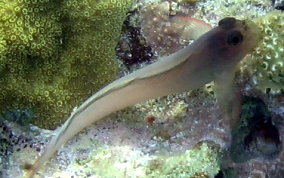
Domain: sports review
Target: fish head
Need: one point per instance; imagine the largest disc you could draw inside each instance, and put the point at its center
(231, 41)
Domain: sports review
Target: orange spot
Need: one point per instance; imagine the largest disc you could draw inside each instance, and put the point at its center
(151, 119)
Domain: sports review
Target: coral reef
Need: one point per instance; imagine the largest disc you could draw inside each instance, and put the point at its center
(160, 138)
(255, 135)
(21, 117)
(53, 55)
(116, 148)
(197, 162)
(132, 48)
(12, 141)
(267, 64)
(257, 144)
(15, 136)
(29, 30)
(212, 11)
(191, 2)
(124, 161)
(280, 6)
(174, 27)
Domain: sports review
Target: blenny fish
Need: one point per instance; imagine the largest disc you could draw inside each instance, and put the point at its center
(209, 58)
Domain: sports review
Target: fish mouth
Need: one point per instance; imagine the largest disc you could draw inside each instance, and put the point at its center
(252, 32)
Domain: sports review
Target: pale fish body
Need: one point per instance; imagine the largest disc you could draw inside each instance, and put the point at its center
(205, 60)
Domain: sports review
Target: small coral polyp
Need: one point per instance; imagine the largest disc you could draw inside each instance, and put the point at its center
(267, 65)
(54, 54)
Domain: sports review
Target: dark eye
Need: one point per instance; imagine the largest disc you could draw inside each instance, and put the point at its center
(235, 38)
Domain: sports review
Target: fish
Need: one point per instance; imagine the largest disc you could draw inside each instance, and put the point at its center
(209, 58)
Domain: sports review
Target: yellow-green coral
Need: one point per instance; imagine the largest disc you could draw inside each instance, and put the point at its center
(125, 161)
(28, 29)
(203, 160)
(267, 64)
(54, 54)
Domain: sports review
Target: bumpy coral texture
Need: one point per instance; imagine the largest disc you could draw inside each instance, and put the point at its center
(54, 54)
(242, 9)
(198, 162)
(268, 59)
(201, 161)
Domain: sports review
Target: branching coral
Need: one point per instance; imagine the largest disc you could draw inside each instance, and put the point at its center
(53, 54)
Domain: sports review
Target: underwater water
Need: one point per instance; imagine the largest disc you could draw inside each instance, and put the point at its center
(225, 119)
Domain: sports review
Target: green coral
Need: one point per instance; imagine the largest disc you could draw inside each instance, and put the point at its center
(29, 28)
(198, 162)
(54, 54)
(267, 65)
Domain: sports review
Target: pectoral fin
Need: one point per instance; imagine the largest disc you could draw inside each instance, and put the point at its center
(228, 95)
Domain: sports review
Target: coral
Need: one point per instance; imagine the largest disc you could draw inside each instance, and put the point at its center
(28, 28)
(132, 48)
(265, 67)
(15, 133)
(132, 147)
(188, 1)
(255, 135)
(5, 151)
(22, 117)
(256, 140)
(139, 41)
(213, 11)
(172, 106)
(267, 64)
(197, 162)
(14, 140)
(54, 54)
(227, 173)
(125, 161)
(16, 136)
(118, 161)
(280, 6)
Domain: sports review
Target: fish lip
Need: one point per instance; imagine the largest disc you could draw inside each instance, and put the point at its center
(252, 33)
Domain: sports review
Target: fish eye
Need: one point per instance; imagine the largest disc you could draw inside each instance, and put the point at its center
(235, 38)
